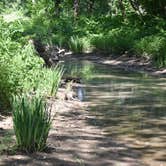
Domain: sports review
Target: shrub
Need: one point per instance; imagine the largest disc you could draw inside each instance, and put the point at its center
(76, 44)
(32, 122)
(6, 86)
(80, 44)
(122, 39)
(153, 46)
(117, 40)
(101, 42)
(16, 70)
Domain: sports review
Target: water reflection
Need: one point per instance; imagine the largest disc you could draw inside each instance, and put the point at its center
(80, 93)
(130, 107)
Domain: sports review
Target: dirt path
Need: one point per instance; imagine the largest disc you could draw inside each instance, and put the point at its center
(74, 142)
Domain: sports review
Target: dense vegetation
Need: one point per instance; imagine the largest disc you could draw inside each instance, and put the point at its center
(112, 26)
(134, 27)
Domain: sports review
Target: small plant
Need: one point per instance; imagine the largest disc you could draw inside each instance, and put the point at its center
(56, 78)
(76, 44)
(32, 122)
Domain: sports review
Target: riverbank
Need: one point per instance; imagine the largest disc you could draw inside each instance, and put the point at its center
(114, 126)
(124, 62)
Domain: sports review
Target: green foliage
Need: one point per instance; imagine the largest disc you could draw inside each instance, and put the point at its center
(109, 26)
(17, 63)
(84, 71)
(101, 42)
(47, 81)
(32, 122)
(6, 87)
(117, 40)
(154, 46)
(21, 70)
(76, 44)
(122, 39)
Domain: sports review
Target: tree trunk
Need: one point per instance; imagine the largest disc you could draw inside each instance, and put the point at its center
(90, 6)
(122, 8)
(76, 8)
(135, 6)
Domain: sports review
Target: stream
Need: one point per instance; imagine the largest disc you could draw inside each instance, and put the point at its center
(129, 107)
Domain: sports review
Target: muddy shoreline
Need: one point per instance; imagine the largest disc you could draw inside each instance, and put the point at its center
(123, 62)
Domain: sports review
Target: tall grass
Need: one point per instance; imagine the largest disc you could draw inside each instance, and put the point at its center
(32, 122)
(76, 44)
(46, 81)
(56, 78)
(21, 70)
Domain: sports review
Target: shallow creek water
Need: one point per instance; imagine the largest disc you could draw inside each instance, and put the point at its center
(129, 107)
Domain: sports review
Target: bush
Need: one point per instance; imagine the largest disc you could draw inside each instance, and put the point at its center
(32, 122)
(101, 42)
(16, 70)
(16, 62)
(153, 46)
(6, 86)
(116, 41)
(122, 39)
(21, 70)
(76, 44)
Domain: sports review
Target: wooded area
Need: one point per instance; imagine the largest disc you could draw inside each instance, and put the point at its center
(36, 37)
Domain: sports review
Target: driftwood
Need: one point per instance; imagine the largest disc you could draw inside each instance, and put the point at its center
(50, 54)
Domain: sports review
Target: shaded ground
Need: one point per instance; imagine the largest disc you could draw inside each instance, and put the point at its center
(73, 142)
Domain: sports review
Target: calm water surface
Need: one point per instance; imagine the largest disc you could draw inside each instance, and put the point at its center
(130, 107)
